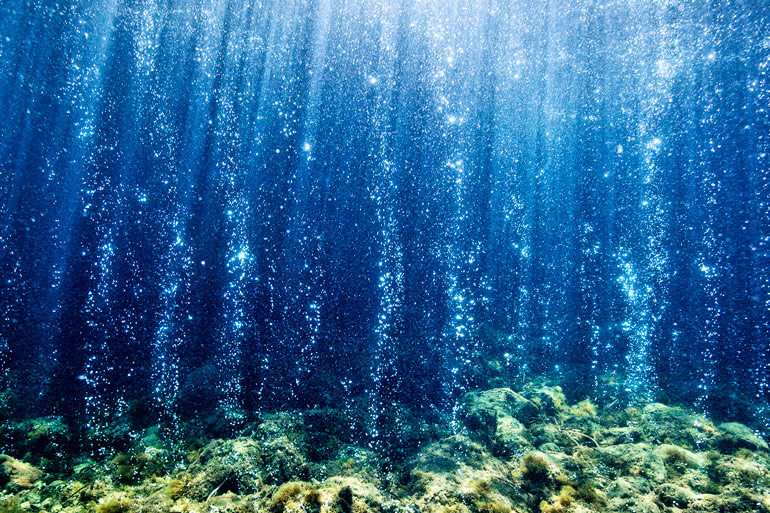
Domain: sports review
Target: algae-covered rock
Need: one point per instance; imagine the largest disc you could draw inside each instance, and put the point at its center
(539, 476)
(226, 503)
(633, 461)
(550, 401)
(39, 441)
(457, 474)
(499, 401)
(733, 470)
(350, 461)
(448, 455)
(47, 434)
(115, 503)
(138, 464)
(734, 436)
(621, 488)
(283, 449)
(638, 504)
(498, 417)
(621, 435)
(287, 497)
(351, 492)
(675, 496)
(283, 461)
(665, 424)
(18, 473)
(679, 461)
(226, 465)
(519, 452)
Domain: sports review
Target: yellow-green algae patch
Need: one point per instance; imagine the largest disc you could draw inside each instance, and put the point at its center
(517, 451)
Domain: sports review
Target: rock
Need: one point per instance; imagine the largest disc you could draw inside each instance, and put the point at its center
(283, 461)
(233, 465)
(728, 504)
(47, 435)
(621, 435)
(679, 462)
(497, 418)
(736, 436)
(738, 471)
(549, 447)
(501, 401)
(621, 489)
(242, 465)
(353, 493)
(41, 440)
(283, 448)
(448, 455)
(634, 460)
(675, 496)
(18, 473)
(550, 401)
(644, 504)
(676, 426)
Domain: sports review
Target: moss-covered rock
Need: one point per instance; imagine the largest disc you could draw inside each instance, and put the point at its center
(517, 452)
(17, 474)
(497, 418)
(226, 465)
(672, 425)
(636, 461)
(734, 436)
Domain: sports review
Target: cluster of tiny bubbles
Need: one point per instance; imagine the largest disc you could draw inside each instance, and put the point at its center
(279, 192)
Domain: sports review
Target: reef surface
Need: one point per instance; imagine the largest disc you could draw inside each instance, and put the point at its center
(505, 450)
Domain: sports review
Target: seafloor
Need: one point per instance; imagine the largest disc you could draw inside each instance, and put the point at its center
(524, 450)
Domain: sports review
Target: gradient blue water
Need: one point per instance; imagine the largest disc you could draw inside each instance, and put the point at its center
(310, 201)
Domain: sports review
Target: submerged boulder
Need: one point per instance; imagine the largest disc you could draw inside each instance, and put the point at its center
(736, 436)
(283, 461)
(18, 473)
(673, 425)
(226, 466)
(274, 456)
(635, 461)
(283, 447)
(40, 441)
(498, 417)
(448, 455)
(675, 496)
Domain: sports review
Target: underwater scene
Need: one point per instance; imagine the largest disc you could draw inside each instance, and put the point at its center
(384, 256)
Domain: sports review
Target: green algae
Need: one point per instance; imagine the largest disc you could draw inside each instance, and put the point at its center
(518, 451)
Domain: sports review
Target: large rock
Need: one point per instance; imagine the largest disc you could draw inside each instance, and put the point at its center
(448, 455)
(675, 496)
(283, 461)
(677, 426)
(274, 456)
(18, 473)
(284, 447)
(498, 418)
(634, 460)
(736, 436)
(233, 465)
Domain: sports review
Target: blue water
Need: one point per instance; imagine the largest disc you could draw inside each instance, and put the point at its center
(238, 206)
